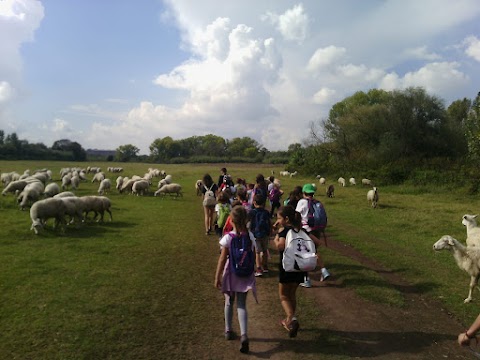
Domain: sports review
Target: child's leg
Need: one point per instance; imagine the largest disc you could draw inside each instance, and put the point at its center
(288, 299)
(229, 300)
(242, 312)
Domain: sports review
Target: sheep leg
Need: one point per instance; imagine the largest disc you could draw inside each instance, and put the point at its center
(111, 218)
(473, 283)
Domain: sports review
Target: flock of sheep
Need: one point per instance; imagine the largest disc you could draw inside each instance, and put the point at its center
(49, 200)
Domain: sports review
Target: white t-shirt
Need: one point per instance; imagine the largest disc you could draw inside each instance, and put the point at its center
(302, 208)
(226, 240)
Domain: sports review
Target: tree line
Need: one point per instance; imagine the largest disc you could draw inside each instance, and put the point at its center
(391, 136)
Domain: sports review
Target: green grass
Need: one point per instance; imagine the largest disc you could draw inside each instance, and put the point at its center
(138, 286)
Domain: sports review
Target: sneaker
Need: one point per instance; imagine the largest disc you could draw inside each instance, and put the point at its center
(306, 284)
(325, 275)
(245, 348)
(229, 335)
(294, 326)
(258, 273)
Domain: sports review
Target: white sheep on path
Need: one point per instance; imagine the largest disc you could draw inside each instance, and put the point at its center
(467, 259)
(473, 230)
(372, 196)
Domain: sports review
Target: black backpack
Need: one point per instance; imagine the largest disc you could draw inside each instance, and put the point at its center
(260, 223)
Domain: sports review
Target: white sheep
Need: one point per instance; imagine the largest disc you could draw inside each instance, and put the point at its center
(166, 180)
(51, 189)
(104, 186)
(467, 258)
(63, 194)
(13, 186)
(352, 181)
(473, 230)
(127, 185)
(75, 181)
(341, 181)
(170, 189)
(66, 181)
(372, 196)
(119, 182)
(74, 208)
(30, 194)
(322, 181)
(97, 204)
(98, 177)
(46, 209)
(366, 182)
(294, 174)
(285, 173)
(140, 187)
(199, 187)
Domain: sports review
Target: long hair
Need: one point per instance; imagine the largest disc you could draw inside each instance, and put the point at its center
(207, 180)
(239, 218)
(293, 216)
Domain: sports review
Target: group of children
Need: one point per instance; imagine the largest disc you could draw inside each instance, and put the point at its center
(240, 212)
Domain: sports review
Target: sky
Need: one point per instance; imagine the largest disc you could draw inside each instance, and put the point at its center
(114, 72)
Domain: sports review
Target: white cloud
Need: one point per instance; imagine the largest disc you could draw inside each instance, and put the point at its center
(292, 24)
(472, 47)
(421, 53)
(324, 96)
(6, 92)
(324, 57)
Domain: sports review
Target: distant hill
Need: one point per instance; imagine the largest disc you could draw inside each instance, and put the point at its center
(103, 153)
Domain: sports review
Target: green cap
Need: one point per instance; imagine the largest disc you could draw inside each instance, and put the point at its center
(309, 188)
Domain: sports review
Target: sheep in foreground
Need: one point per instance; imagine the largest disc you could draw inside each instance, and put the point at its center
(30, 194)
(46, 209)
(372, 196)
(51, 190)
(352, 181)
(104, 186)
(97, 204)
(341, 181)
(331, 191)
(170, 189)
(473, 230)
(467, 259)
(13, 186)
(73, 208)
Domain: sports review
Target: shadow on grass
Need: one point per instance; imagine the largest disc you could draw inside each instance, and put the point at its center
(368, 344)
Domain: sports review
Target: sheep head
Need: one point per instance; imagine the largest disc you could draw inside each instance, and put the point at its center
(469, 220)
(446, 242)
(36, 226)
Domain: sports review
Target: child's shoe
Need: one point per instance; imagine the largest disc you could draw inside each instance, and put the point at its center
(259, 272)
(245, 346)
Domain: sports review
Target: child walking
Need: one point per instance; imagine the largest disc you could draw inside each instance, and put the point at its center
(260, 226)
(232, 285)
(288, 219)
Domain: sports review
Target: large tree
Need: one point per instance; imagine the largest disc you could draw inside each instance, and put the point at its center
(126, 152)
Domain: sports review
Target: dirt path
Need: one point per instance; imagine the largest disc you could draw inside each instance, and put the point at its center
(351, 327)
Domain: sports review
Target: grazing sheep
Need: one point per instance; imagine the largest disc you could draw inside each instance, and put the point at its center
(98, 177)
(140, 187)
(341, 181)
(97, 204)
(467, 258)
(64, 194)
(166, 180)
(199, 187)
(294, 174)
(30, 194)
(331, 191)
(104, 186)
(285, 173)
(473, 230)
(169, 189)
(13, 186)
(75, 181)
(119, 182)
(66, 180)
(366, 182)
(352, 181)
(322, 181)
(51, 190)
(46, 209)
(73, 208)
(372, 196)
(127, 185)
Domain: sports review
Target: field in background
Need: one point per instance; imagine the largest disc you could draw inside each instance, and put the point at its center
(139, 286)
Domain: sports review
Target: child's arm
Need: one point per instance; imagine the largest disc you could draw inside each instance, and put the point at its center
(314, 239)
(220, 266)
(279, 242)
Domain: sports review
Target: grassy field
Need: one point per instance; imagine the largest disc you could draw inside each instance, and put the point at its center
(137, 287)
